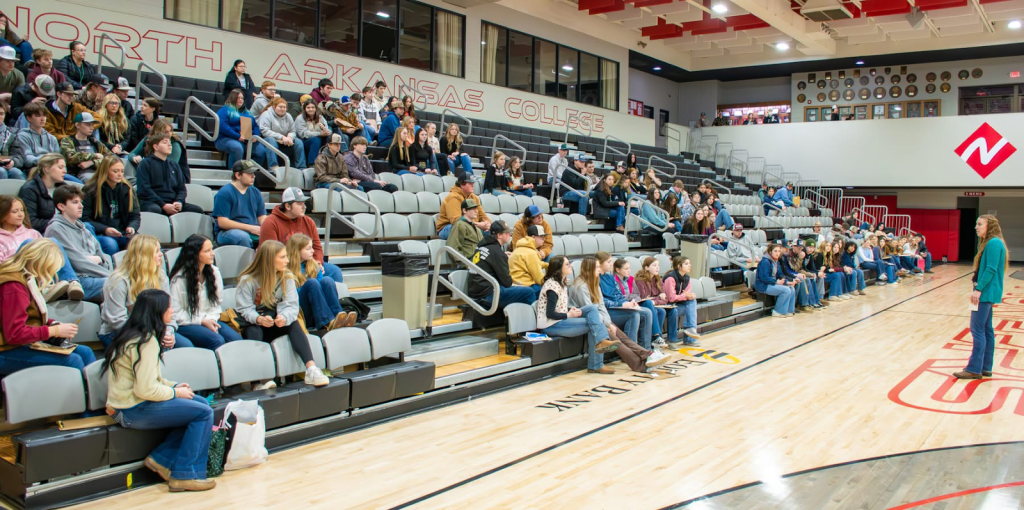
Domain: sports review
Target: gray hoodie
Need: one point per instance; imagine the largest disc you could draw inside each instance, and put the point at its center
(115, 307)
(30, 146)
(79, 244)
(287, 300)
(579, 296)
(272, 126)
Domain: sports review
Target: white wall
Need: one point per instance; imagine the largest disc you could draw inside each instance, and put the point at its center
(697, 97)
(1010, 212)
(754, 91)
(658, 93)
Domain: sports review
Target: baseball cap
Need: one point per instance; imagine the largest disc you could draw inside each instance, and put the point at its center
(245, 166)
(45, 84)
(8, 53)
(498, 227)
(85, 117)
(737, 226)
(469, 203)
(65, 86)
(563, 147)
(122, 83)
(535, 230)
(462, 180)
(345, 100)
(532, 211)
(584, 157)
(335, 138)
(99, 79)
(293, 195)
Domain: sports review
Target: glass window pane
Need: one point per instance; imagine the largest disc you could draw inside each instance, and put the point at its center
(545, 58)
(448, 43)
(379, 29)
(973, 106)
(339, 26)
(590, 89)
(492, 54)
(200, 12)
(895, 111)
(520, 61)
(414, 41)
(609, 84)
(294, 24)
(1000, 105)
(568, 73)
(252, 17)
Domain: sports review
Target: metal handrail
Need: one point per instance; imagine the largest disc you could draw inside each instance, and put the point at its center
(331, 213)
(792, 177)
(193, 100)
(719, 152)
(693, 140)
(494, 145)
(554, 186)
(472, 268)
(568, 122)
(771, 218)
(675, 168)
(604, 152)
(843, 210)
(404, 87)
(271, 148)
(679, 137)
(741, 241)
(897, 225)
(879, 211)
(102, 54)
(469, 123)
(717, 185)
(657, 209)
(818, 203)
(864, 215)
(139, 86)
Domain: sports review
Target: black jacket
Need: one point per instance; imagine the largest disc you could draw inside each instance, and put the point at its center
(160, 182)
(420, 155)
(78, 78)
(127, 208)
(38, 203)
(138, 128)
(21, 96)
(496, 179)
(603, 204)
(398, 163)
(491, 257)
(231, 82)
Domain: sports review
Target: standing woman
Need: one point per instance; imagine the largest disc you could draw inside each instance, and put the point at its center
(772, 281)
(318, 294)
(138, 397)
(196, 290)
(990, 265)
(237, 78)
(267, 299)
(111, 206)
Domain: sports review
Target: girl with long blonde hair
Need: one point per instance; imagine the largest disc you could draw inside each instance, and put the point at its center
(398, 153)
(267, 300)
(318, 294)
(114, 130)
(111, 206)
(451, 145)
(990, 265)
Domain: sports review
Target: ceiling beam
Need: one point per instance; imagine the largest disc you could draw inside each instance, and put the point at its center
(779, 14)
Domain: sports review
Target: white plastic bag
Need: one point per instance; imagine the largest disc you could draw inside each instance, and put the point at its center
(248, 445)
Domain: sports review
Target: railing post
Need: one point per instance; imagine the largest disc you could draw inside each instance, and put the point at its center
(456, 292)
(102, 54)
(139, 86)
(444, 128)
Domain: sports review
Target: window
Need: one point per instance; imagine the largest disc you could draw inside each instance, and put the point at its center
(252, 18)
(295, 21)
(379, 30)
(414, 38)
(339, 26)
(200, 12)
(522, 62)
(449, 39)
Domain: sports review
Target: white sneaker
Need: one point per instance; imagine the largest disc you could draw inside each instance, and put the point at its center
(656, 358)
(777, 314)
(316, 377)
(266, 386)
(692, 333)
(883, 277)
(660, 341)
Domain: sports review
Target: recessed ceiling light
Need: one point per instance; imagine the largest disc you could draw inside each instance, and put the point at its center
(782, 46)
(567, 67)
(1014, 24)
(656, 68)
(383, 14)
(720, 8)
(859, 62)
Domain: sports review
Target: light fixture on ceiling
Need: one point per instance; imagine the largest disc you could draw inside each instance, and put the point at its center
(567, 67)
(859, 62)
(383, 14)
(1013, 24)
(720, 8)
(657, 68)
(782, 46)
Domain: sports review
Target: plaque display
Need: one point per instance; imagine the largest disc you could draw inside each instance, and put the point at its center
(864, 80)
(911, 90)
(976, 73)
(801, 85)
(946, 75)
(895, 91)
(833, 96)
(911, 78)
(848, 82)
(930, 88)
(849, 95)
(963, 74)
(945, 87)
(864, 93)
(896, 79)
(879, 92)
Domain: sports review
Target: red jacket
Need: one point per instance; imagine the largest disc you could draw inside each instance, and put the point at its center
(16, 324)
(278, 227)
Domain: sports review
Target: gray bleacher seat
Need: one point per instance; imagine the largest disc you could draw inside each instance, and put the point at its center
(199, 195)
(429, 203)
(388, 337)
(433, 184)
(542, 203)
(562, 224)
(11, 186)
(289, 362)
(96, 386)
(588, 243)
(396, 226)
(320, 198)
(227, 298)
(156, 225)
(550, 218)
(412, 246)
(522, 318)
(118, 257)
(442, 196)
(576, 264)
(709, 287)
(510, 219)
(351, 205)
(391, 178)
(383, 200)
(245, 361)
(557, 247)
(413, 183)
(605, 243)
(404, 202)
(365, 221)
(572, 246)
(436, 247)
(63, 387)
(522, 202)
(448, 181)
(185, 224)
(170, 257)
(460, 279)
(620, 243)
(193, 365)
(232, 260)
(508, 204)
(346, 346)
(635, 265)
(86, 314)
(490, 204)
(580, 224)
(309, 178)
(664, 262)
(421, 225)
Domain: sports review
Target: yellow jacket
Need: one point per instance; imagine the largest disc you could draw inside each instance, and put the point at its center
(451, 208)
(519, 232)
(525, 266)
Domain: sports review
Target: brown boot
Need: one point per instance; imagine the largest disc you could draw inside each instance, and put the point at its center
(157, 468)
(606, 370)
(337, 322)
(986, 374)
(607, 346)
(963, 374)
(176, 485)
(75, 291)
(862, 293)
(350, 319)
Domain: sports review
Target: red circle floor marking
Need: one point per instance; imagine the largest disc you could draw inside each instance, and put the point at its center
(956, 495)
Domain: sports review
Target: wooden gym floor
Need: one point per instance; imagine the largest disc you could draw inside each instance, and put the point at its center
(849, 408)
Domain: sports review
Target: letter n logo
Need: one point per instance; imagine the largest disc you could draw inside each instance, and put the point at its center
(985, 150)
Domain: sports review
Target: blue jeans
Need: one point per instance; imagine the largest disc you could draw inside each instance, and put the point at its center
(236, 151)
(523, 192)
(983, 351)
(312, 147)
(807, 293)
(723, 218)
(641, 332)
(433, 162)
(657, 316)
(179, 341)
(204, 337)
(452, 163)
(187, 446)
(445, 232)
(928, 261)
(333, 272)
(12, 173)
(92, 287)
(514, 294)
(785, 298)
(23, 357)
(319, 302)
(112, 245)
(587, 324)
(24, 49)
(689, 313)
(855, 280)
(835, 284)
(234, 237)
(581, 201)
(619, 215)
(910, 263)
(296, 152)
(371, 132)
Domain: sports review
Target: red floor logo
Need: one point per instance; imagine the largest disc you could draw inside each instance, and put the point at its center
(985, 150)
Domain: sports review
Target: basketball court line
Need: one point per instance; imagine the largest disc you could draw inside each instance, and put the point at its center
(641, 412)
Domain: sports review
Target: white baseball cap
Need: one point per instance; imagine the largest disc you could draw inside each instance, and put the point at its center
(293, 195)
(122, 83)
(8, 53)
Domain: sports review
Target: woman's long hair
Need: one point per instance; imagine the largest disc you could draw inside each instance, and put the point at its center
(95, 186)
(187, 267)
(113, 127)
(993, 230)
(145, 324)
(555, 270)
(232, 103)
(7, 203)
(316, 112)
(299, 269)
(262, 271)
(139, 266)
(41, 258)
(398, 143)
(45, 163)
(645, 276)
(454, 141)
(513, 170)
(588, 277)
(671, 205)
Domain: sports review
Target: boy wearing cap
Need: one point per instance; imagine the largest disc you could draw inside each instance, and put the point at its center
(238, 208)
(94, 92)
(290, 218)
(525, 265)
(9, 38)
(361, 171)
(33, 142)
(785, 194)
(36, 91)
(268, 91)
(330, 165)
(61, 113)
(533, 216)
(346, 121)
(44, 66)
(121, 91)
(557, 164)
(160, 181)
(10, 78)
(451, 208)
(492, 259)
(82, 151)
(577, 183)
(465, 235)
(390, 124)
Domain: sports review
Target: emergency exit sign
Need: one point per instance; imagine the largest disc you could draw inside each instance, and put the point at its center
(974, 193)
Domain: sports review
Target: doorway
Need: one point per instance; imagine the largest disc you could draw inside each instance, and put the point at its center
(968, 245)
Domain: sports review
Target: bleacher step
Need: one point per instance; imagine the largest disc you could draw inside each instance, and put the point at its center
(216, 163)
(366, 294)
(483, 372)
(356, 278)
(444, 329)
(453, 350)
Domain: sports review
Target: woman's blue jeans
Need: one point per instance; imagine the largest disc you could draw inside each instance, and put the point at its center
(856, 280)
(187, 446)
(984, 348)
(236, 151)
(619, 215)
(835, 284)
(204, 337)
(179, 340)
(297, 153)
(723, 218)
(24, 49)
(910, 263)
(312, 146)
(785, 298)
(23, 357)
(319, 301)
(587, 324)
(452, 163)
(658, 314)
(523, 192)
(636, 324)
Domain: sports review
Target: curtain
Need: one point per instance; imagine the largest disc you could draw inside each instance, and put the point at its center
(200, 12)
(489, 54)
(609, 84)
(233, 15)
(448, 43)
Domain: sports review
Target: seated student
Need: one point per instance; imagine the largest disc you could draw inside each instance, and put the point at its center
(718, 211)
(238, 79)
(268, 92)
(910, 256)
(652, 217)
(230, 139)
(451, 207)
(15, 228)
(626, 313)
(772, 280)
(490, 256)
(806, 287)
(814, 264)
(7, 138)
(887, 267)
(833, 259)
(580, 192)
(496, 179)
(555, 318)
(772, 207)
(178, 153)
(60, 114)
(514, 174)
(620, 283)
(389, 126)
(651, 180)
(785, 195)
(586, 291)
(650, 288)
(922, 250)
(361, 171)
(671, 205)
(160, 181)
(38, 189)
(330, 166)
(23, 279)
(678, 191)
(465, 235)
(318, 295)
(44, 67)
(454, 156)
(93, 92)
(196, 290)
(144, 120)
(891, 255)
(311, 127)
(138, 397)
(400, 153)
(238, 208)
(83, 151)
(865, 258)
(346, 120)
(688, 207)
(367, 113)
(10, 76)
(110, 206)
(322, 92)
(699, 224)
(533, 216)
(141, 268)
(277, 127)
(525, 264)
(849, 260)
(632, 185)
(422, 154)
(607, 202)
(114, 130)
(272, 313)
(36, 91)
(290, 218)
(91, 265)
(75, 66)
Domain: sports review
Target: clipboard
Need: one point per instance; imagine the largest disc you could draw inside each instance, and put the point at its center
(245, 127)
